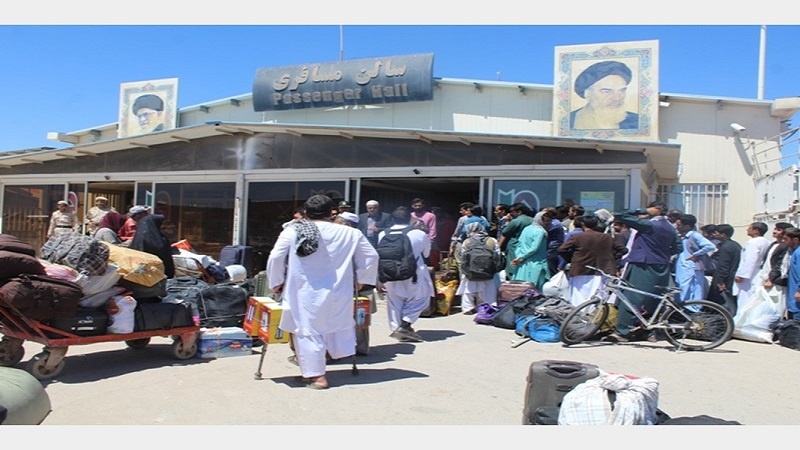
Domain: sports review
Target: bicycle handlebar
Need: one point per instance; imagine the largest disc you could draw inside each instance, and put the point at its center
(601, 272)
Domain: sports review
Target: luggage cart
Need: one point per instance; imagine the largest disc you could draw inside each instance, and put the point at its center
(16, 329)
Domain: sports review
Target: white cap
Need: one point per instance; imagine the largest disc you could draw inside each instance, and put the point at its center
(138, 209)
(350, 217)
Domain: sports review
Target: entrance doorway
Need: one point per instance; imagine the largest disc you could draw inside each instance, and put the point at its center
(446, 193)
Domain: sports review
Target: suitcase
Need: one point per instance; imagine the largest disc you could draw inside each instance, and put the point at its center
(85, 322)
(548, 383)
(237, 254)
(509, 290)
(162, 316)
(261, 285)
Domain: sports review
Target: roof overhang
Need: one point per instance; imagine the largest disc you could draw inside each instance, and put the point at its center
(663, 157)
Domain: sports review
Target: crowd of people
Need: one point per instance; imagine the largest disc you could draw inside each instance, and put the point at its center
(648, 247)
(327, 254)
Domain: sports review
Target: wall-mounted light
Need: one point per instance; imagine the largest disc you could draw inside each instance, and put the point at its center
(416, 171)
(663, 104)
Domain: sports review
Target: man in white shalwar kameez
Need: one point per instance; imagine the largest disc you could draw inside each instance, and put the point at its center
(406, 299)
(316, 266)
(753, 254)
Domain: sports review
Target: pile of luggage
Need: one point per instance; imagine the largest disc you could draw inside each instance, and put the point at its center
(87, 287)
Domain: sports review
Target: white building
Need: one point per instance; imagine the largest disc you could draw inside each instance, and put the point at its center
(230, 174)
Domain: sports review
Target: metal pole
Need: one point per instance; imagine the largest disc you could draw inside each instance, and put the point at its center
(341, 43)
(761, 61)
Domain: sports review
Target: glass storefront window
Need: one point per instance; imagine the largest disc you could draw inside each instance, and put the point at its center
(271, 204)
(199, 213)
(595, 194)
(27, 210)
(536, 194)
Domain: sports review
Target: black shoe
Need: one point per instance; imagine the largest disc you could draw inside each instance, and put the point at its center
(470, 312)
(407, 335)
(615, 338)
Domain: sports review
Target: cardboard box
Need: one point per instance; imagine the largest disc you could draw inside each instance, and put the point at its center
(222, 342)
(252, 317)
(268, 332)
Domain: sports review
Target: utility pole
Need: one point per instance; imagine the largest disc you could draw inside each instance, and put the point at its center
(341, 43)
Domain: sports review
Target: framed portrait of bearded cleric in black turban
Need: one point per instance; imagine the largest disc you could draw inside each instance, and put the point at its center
(147, 107)
(607, 91)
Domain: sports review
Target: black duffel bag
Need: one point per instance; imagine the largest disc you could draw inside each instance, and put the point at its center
(222, 305)
(162, 316)
(524, 305)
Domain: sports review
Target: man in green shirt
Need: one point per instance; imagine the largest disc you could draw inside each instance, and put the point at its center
(521, 218)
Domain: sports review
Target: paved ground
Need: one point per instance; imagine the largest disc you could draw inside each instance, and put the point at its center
(465, 374)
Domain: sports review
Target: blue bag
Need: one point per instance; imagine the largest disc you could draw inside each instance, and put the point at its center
(539, 329)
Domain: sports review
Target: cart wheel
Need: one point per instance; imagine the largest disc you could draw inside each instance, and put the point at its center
(138, 344)
(180, 352)
(10, 357)
(37, 367)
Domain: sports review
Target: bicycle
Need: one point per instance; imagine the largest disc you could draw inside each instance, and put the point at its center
(693, 325)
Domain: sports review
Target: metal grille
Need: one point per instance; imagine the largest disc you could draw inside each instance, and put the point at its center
(707, 202)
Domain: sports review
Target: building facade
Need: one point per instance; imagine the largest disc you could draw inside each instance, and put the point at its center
(231, 174)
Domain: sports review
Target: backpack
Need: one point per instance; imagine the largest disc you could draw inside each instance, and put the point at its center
(396, 260)
(480, 260)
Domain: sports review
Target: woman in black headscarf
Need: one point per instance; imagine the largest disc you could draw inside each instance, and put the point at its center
(150, 239)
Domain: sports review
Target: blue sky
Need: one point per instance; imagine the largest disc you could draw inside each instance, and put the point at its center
(67, 77)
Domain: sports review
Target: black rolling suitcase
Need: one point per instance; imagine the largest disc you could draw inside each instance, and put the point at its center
(237, 254)
(548, 383)
(85, 322)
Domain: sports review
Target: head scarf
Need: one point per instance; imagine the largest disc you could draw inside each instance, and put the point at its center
(112, 220)
(538, 221)
(475, 230)
(150, 239)
(307, 237)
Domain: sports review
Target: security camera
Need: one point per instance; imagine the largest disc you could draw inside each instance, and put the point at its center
(737, 128)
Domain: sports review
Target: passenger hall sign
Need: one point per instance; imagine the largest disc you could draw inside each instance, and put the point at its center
(391, 79)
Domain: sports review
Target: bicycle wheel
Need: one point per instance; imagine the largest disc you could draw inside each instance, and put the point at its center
(708, 327)
(583, 322)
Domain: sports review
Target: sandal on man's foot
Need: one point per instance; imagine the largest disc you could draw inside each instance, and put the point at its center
(293, 359)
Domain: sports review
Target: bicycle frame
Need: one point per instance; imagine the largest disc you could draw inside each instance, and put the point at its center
(617, 287)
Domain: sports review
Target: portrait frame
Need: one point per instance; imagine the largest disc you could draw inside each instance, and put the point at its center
(166, 89)
(642, 91)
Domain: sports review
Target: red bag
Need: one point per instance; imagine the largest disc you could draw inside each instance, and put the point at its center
(13, 264)
(40, 297)
(13, 244)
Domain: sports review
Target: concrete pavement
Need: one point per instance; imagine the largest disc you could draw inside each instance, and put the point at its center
(464, 374)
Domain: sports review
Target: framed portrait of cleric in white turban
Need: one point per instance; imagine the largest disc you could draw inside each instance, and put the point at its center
(607, 91)
(147, 107)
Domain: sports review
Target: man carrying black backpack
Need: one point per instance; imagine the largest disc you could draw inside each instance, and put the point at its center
(407, 293)
(481, 262)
